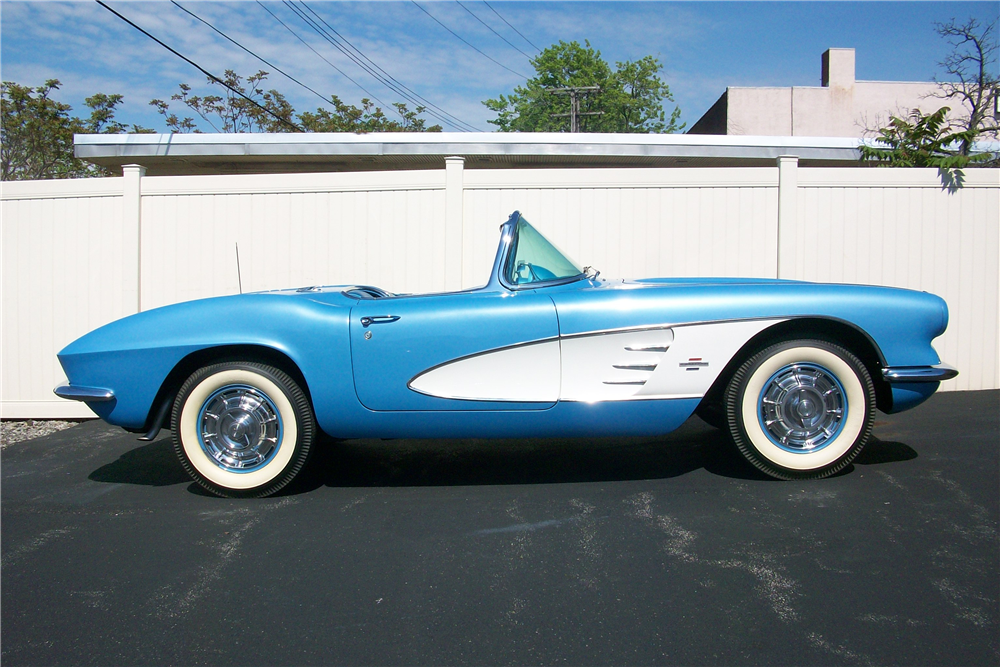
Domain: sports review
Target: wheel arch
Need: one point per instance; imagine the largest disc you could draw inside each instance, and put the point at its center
(212, 355)
(829, 329)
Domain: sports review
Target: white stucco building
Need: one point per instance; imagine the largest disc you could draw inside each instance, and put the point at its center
(841, 107)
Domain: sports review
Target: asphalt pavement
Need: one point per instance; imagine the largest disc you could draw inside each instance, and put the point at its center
(641, 551)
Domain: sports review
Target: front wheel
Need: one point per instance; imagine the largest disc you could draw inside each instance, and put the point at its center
(801, 409)
(242, 429)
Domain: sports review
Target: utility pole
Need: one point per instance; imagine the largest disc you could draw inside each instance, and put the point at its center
(574, 104)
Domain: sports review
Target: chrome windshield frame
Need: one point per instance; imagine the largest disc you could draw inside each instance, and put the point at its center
(508, 244)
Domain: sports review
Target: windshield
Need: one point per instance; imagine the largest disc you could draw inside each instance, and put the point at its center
(534, 259)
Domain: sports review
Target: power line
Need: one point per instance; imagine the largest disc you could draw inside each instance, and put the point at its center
(511, 27)
(364, 66)
(401, 86)
(467, 43)
(312, 24)
(394, 84)
(340, 47)
(272, 66)
(203, 70)
(342, 72)
(492, 30)
(322, 33)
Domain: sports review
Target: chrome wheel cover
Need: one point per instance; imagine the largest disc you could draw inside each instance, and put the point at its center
(802, 407)
(239, 428)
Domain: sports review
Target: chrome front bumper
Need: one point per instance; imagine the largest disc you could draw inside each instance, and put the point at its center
(936, 373)
(87, 394)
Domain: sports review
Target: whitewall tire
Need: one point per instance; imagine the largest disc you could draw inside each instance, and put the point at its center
(242, 429)
(801, 409)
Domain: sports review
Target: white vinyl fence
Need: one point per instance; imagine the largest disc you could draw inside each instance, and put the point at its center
(78, 254)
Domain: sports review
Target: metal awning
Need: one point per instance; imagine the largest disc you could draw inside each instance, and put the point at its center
(173, 154)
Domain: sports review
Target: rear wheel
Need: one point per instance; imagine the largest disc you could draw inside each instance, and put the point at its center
(242, 429)
(801, 409)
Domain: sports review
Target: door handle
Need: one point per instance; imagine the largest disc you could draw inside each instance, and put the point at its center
(378, 319)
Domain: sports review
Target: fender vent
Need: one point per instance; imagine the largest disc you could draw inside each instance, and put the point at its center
(635, 367)
(647, 348)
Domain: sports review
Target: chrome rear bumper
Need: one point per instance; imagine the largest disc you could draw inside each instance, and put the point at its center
(937, 373)
(88, 394)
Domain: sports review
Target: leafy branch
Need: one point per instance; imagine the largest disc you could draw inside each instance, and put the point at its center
(922, 140)
(269, 111)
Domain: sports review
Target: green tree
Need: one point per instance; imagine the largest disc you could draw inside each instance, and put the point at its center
(640, 94)
(270, 111)
(366, 118)
(629, 100)
(36, 132)
(931, 140)
(922, 140)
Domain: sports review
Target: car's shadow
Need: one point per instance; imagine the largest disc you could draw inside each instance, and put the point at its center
(520, 461)
(396, 463)
(154, 464)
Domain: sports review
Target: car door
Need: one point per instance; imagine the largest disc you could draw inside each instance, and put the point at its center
(476, 350)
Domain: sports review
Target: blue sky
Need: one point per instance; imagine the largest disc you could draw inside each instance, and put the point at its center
(704, 46)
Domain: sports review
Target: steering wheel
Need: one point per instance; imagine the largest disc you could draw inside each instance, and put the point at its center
(525, 273)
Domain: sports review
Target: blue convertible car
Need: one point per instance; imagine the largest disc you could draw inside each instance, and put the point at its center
(792, 371)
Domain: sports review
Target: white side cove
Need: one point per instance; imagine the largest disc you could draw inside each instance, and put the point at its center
(650, 363)
(677, 362)
(526, 373)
